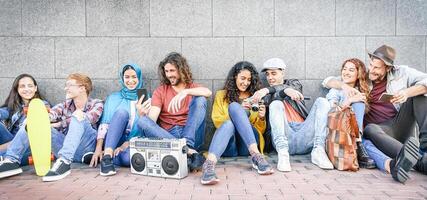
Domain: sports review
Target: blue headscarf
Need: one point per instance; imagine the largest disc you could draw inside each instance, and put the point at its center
(121, 99)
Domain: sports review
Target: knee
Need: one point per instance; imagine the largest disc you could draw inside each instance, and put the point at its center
(228, 124)
(122, 114)
(200, 102)
(370, 129)
(143, 122)
(234, 106)
(323, 102)
(358, 105)
(276, 105)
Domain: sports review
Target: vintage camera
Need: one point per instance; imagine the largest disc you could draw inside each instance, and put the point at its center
(159, 157)
(254, 104)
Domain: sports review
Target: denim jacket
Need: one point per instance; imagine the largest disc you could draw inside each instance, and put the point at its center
(16, 120)
(401, 77)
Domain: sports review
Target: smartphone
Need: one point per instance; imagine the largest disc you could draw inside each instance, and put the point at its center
(386, 97)
(140, 92)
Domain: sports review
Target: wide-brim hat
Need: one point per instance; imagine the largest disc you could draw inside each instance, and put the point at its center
(385, 53)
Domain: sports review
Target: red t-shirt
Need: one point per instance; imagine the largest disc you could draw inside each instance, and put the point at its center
(379, 111)
(162, 97)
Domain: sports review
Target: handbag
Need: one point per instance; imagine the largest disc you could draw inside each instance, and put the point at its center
(341, 140)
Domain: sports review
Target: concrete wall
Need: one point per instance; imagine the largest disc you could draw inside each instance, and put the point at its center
(52, 38)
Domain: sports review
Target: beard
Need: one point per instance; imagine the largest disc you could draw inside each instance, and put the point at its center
(174, 81)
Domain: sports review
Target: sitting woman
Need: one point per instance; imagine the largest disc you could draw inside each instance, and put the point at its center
(353, 74)
(238, 126)
(118, 122)
(13, 112)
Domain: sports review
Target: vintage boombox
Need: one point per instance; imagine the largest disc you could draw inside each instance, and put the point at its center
(159, 157)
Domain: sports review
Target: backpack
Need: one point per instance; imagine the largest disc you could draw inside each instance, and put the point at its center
(341, 140)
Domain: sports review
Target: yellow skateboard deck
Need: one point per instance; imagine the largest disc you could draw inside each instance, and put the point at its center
(39, 135)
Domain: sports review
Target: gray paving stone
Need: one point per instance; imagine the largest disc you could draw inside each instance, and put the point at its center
(30, 55)
(6, 84)
(243, 18)
(313, 89)
(411, 17)
(325, 55)
(291, 50)
(365, 17)
(305, 18)
(180, 18)
(52, 90)
(97, 57)
(10, 17)
(117, 18)
(410, 50)
(147, 52)
(53, 18)
(212, 58)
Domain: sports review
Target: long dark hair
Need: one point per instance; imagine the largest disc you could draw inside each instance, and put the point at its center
(232, 92)
(14, 101)
(180, 63)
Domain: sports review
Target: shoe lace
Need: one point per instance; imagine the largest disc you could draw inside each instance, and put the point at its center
(259, 159)
(209, 166)
(57, 164)
(4, 161)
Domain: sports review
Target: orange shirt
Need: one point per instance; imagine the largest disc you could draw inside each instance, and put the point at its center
(291, 114)
(162, 96)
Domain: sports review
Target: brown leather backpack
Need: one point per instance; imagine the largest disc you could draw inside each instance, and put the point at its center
(341, 139)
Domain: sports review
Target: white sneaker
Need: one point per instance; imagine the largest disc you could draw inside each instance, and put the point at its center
(283, 163)
(319, 158)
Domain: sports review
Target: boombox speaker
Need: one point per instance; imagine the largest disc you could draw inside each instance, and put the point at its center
(159, 157)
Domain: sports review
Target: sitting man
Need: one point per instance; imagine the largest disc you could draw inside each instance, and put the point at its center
(74, 125)
(293, 129)
(179, 106)
(390, 123)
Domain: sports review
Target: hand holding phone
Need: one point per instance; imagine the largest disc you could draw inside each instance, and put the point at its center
(140, 92)
(386, 97)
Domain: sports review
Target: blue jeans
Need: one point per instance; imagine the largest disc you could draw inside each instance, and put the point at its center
(299, 137)
(225, 140)
(193, 131)
(116, 136)
(359, 112)
(80, 139)
(5, 135)
(373, 152)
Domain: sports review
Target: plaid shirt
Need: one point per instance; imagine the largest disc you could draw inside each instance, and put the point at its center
(64, 111)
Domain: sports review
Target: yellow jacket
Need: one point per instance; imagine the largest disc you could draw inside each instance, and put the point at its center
(220, 115)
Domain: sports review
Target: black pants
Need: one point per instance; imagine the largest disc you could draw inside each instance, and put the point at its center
(389, 136)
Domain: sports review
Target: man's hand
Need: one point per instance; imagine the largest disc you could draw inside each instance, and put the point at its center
(144, 108)
(400, 97)
(260, 94)
(121, 148)
(349, 91)
(79, 114)
(294, 94)
(175, 104)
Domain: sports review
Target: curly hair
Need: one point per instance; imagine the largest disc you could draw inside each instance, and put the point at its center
(362, 77)
(180, 63)
(232, 92)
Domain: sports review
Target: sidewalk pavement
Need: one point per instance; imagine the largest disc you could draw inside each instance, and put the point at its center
(238, 181)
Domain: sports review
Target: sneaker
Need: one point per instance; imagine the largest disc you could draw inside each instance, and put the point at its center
(405, 160)
(60, 169)
(283, 163)
(261, 165)
(196, 162)
(107, 166)
(208, 173)
(9, 168)
(87, 157)
(319, 158)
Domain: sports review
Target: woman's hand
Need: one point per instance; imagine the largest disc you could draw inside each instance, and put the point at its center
(97, 156)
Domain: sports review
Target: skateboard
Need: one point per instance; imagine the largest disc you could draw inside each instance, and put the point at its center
(39, 135)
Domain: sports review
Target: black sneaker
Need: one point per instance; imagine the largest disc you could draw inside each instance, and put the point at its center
(87, 157)
(405, 160)
(363, 157)
(196, 162)
(107, 166)
(261, 165)
(208, 175)
(60, 169)
(9, 168)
